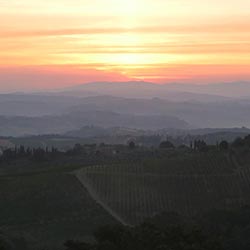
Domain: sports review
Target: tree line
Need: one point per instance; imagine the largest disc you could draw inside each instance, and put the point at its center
(41, 154)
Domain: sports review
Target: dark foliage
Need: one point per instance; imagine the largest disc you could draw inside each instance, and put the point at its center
(224, 145)
(241, 142)
(131, 145)
(215, 230)
(200, 145)
(166, 144)
(37, 154)
(149, 237)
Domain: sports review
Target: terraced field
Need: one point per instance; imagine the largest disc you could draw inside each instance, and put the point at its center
(188, 185)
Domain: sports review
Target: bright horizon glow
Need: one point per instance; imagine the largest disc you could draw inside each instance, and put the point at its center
(48, 44)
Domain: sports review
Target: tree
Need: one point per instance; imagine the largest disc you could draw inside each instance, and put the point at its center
(149, 237)
(166, 144)
(131, 145)
(21, 151)
(224, 145)
(200, 146)
(238, 142)
(78, 149)
(39, 154)
(247, 140)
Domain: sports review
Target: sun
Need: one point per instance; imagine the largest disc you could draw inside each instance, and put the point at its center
(129, 59)
(130, 44)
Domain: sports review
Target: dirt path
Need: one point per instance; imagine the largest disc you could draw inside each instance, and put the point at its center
(80, 175)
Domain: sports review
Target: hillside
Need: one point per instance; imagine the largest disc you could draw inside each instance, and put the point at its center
(188, 185)
(197, 114)
(47, 209)
(135, 105)
(67, 195)
(20, 125)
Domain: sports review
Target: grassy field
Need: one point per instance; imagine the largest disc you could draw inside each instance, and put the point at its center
(48, 208)
(188, 185)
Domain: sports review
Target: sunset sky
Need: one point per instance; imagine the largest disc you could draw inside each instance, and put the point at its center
(57, 43)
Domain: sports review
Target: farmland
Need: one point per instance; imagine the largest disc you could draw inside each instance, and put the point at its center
(188, 185)
(48, 208)
(68, 196)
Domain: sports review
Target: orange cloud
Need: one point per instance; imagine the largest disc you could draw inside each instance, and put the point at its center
(116, 40)
(51, 77)
(174, 29)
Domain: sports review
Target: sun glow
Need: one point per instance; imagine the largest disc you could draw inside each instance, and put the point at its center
(131, 38)
(130, 60)
(126, 8)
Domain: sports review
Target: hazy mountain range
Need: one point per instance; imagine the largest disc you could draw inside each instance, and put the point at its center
(138, 105)
(21, 125)
(183, 92)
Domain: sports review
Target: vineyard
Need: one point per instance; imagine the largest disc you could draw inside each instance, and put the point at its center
(48, 202)
(188, 185)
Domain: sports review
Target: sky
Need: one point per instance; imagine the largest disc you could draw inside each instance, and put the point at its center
(57, 43)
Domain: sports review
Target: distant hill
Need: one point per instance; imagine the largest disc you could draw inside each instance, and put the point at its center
(136, 105)
(96, 131)
(197, 114)
(35, 104)
(20, 125)
(61, 114)
(229, 89)
(141, 90)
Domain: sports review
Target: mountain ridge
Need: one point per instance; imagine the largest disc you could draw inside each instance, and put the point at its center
(239, 89)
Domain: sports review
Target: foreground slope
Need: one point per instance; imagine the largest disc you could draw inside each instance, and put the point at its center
(188, 185)
(48, 208)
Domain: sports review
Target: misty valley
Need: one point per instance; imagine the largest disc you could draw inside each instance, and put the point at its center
(129, 105)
